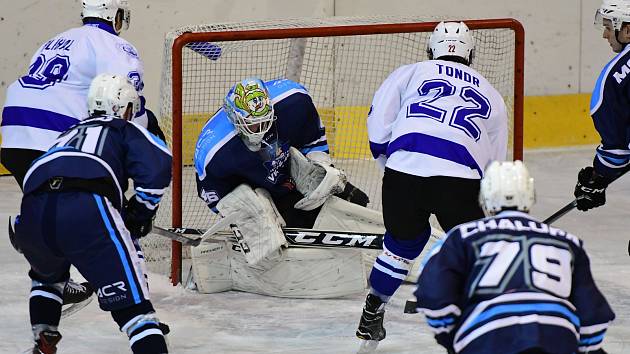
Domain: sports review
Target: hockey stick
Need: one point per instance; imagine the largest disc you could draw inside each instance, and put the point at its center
(567, 208)
(294, 236)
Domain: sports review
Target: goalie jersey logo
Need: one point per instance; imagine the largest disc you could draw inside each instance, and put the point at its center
(513, 281)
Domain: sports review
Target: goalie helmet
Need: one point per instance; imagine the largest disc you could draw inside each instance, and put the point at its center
(451, 39)
(111, 95)
(249, 108)
(617, 11)
(506, 185)
(108, 10)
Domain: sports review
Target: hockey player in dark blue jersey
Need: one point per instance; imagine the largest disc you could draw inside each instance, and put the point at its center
(509, 284)
(263, 160)
(248, 141)
(610, 109)
(74, 213)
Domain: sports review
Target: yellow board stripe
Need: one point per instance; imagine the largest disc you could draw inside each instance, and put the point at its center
(559, 120)
(550, 121)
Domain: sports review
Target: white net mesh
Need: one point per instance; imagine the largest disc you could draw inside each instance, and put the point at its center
(341, 72)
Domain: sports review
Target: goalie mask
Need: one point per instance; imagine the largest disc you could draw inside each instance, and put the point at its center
(115, 11)
(249, 108)
(112, 95)
(506, 185)
(451, 39)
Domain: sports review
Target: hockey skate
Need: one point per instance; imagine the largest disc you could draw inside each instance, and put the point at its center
(47, 342)
(371, 329)
(75, 297)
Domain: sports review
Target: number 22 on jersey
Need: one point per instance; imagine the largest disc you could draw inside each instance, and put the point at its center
(474, 105)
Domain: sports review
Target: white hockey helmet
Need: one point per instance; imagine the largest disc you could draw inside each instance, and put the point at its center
(111, 95)
(248, 106)
(451, 39)
(617, 11)
(108, 10)
(506, 185)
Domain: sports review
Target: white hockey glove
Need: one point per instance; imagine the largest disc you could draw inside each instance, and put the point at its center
(316, 180)
(257, 220)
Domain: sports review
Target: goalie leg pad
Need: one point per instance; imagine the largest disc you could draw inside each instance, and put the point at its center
(339, 214)
(257, 221)
(306, 273)
(211, 267)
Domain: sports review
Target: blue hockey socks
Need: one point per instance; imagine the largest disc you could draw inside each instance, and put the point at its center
(392, 266)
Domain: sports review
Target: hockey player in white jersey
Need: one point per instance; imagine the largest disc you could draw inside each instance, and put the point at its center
(433, 126)
(509, 284)
(52, 96)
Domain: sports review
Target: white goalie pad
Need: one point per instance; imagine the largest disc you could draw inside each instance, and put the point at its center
(257, 221)
(315, 179)
(340, 214)
(306, 273)
(211, 267)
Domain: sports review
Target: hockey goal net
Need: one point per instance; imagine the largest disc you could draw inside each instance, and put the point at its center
(341, 61)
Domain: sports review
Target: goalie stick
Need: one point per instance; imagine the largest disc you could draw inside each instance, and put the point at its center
(294, 236)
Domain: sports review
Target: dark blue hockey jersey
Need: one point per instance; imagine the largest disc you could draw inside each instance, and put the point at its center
(610, 110)
(109, 150)
(223, 161)
(507, 283)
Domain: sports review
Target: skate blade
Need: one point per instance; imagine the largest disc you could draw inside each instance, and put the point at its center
(367, 346)
(71, 309)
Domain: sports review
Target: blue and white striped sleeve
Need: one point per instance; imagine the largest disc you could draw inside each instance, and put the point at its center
(440, 286)
(591, 306)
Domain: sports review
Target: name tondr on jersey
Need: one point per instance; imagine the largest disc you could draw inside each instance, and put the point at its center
(457, 73)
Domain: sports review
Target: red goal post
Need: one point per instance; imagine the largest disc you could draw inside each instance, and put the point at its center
(184, 91)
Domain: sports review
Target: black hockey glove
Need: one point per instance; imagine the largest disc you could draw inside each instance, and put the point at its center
(590, 189)
(138, 219)
(354, 195)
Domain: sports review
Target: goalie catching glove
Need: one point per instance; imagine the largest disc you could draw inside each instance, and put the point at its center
(138, 218)
(315, 178)
(590, 190)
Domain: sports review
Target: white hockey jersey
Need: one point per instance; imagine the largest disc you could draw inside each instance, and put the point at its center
(53, 95)
(437, 118)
